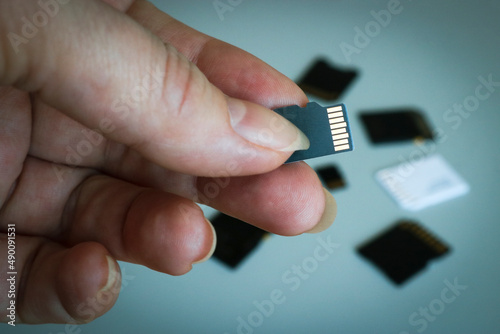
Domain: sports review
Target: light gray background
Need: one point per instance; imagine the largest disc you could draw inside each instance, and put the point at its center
(429, 56)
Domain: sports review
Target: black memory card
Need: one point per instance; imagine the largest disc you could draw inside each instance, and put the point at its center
(235, 239)
(325, 80)
(403, 250)
(395, 125)
(331, 177)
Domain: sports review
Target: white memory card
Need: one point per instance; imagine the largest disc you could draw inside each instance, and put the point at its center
(426, 182)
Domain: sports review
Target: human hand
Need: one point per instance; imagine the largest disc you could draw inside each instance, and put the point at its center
(115, 119)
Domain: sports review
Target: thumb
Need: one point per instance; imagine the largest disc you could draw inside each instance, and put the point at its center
(104, 70)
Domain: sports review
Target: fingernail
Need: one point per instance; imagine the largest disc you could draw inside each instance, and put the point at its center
(264, 127)
(214, 243)
(328, 215)
(114, 276)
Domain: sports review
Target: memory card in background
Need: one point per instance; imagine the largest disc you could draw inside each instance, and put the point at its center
(427, 182)
(403, 250)
(395, 125)
(235, 239)
(331, 177)
(325, 80)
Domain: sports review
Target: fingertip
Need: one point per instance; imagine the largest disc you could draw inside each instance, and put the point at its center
(212, 244)
(266, 128)
(290, 199)
(306, 212)
(88, 281)
(328, 215)
(113, 282)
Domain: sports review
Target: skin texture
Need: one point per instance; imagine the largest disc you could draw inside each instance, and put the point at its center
(114, 120)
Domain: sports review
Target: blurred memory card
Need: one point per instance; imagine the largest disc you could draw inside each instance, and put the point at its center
(331, 177)
(235, 239)
(403, 250)
(327, 129)
(428, 181)
(395, 125)
(326, 81)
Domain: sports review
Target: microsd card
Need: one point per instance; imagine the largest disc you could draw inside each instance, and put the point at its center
(403, 250)
(396, 125)
(326, 81)
(327, 129)
(331, 177)
(235, 239)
